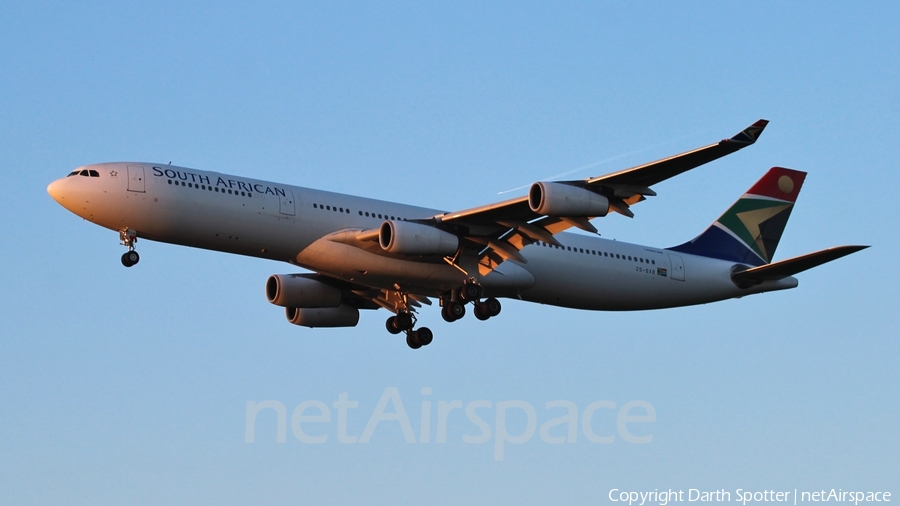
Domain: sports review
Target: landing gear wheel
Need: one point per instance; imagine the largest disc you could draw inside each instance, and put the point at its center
(453, 311)
(470, 292)
(130, 258)
(128, 237)
(412, 340)
(445, 314)
(424, 336)
(492, 306)
(487, 309)
(403, 321)
(391, 325)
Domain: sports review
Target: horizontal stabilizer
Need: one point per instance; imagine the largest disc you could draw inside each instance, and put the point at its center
(791, 266)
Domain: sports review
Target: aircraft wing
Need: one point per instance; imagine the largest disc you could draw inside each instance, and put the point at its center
(649, 174)
(503, 228)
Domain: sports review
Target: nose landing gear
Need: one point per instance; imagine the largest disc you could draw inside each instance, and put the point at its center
(128, 237)
(130, 258)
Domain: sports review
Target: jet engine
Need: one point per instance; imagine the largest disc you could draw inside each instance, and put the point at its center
(340, 316)
(556, 199)
(296, 290)
(408, 238)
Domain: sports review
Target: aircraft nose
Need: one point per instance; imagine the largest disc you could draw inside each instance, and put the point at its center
(55, 190)
(60, 190)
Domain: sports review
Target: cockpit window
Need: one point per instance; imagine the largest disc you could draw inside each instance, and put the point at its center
(84, 172)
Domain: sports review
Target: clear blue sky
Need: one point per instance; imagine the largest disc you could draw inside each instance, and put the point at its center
(130, 386)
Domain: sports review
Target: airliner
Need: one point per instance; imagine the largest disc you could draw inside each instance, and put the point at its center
(361, 253)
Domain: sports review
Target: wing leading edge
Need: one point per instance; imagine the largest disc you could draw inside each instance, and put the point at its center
(499, 230)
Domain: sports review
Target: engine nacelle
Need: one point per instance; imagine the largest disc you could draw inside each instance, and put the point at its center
(341, 316)
(407, 238)
(555, 199)
(294, 290)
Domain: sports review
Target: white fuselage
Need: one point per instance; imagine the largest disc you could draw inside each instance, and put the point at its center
(298, 225)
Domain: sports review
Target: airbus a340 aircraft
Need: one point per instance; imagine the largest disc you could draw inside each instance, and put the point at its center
(370, 254)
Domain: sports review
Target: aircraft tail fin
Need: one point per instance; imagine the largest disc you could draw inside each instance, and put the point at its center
(750, 229)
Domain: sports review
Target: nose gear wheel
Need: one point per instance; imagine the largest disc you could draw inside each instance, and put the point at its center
(127, 238)
(130, 258)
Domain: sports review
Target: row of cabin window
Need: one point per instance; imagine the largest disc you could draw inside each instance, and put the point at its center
(84, 172)
(331, 208)
(211, 188)
(361, 213)
(380, 216)
(599, 253)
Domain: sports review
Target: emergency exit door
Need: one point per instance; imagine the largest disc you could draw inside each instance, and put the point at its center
(135, 178)
(287, 203)
(677, 272)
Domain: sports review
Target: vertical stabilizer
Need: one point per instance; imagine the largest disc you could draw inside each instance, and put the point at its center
(750, 229)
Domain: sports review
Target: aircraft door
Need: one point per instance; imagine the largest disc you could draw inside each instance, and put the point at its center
(287, 202)
(677, 271)
(136, 178)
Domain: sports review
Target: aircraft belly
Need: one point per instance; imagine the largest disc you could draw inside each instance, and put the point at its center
(421, 274)
(360, 266)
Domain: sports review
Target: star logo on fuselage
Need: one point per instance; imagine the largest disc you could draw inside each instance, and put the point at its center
(113, 173)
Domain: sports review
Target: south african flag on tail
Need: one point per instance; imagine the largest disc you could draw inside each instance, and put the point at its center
(749, 231)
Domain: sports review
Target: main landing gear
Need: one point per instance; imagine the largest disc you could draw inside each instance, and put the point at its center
(487, 309)
(128, 238)
(415, 339)
(404, 321)
(454, 306)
